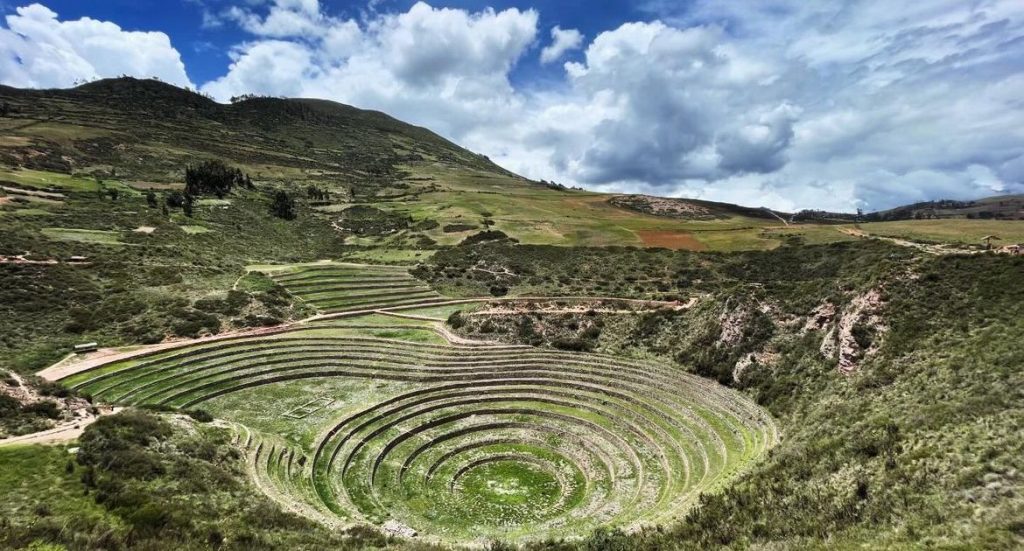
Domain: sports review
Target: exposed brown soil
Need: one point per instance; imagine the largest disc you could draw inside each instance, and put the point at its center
(77, 363)
(20, 259)
(65, 431)
(33, 193)
(663, 206)
(670, 240)
(925, 247)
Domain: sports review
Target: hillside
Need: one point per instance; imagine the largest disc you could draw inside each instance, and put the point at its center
(147, 130)
(331, 329)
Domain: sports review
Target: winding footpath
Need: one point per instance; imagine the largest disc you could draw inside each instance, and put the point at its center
(73, 364)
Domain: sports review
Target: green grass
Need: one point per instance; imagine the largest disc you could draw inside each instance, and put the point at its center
(44, 180)
(30, 212)
(809, 234)
(537, 215)
(555, 458)
(35, 484)
(194, 229)
(335, 287)
(100, 237)
(956, 231)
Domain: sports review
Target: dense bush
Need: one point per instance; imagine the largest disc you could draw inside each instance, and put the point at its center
(282, 205)
(456, 228)
(214, 177)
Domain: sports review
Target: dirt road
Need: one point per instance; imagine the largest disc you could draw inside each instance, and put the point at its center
(924, 247)
(64, 432)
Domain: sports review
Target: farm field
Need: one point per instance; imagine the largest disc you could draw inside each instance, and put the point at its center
(538, 215)
(376, 421)
(956, 231)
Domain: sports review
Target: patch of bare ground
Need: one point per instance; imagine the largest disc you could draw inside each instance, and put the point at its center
(855, 335)
(75, 414)
(22, 259)
(33, 192)
(83, 362)
(64, 431)
(766, 358)
(663, 206)
(610, 306)
(924, 247)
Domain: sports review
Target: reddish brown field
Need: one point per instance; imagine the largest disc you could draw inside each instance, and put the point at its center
(670, 240)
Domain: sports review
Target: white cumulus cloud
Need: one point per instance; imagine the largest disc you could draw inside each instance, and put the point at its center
(562, 41)
(443, 68)
(39, 50)
(788, 104)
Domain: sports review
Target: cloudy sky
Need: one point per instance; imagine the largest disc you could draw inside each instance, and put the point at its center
(783, 103)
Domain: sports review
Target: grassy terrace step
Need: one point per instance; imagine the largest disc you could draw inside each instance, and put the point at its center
(354, 279)
(337, 288)
(307, 290)
(358, 297)
(487, 441)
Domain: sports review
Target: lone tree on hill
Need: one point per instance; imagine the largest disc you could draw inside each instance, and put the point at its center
(283, 206)
(214, 177)
(187, 205)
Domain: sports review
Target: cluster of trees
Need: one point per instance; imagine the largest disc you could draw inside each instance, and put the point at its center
(246, 97)
(184, 201)
(282, 205)
(214, 177)
(556, 186)
(316, 194)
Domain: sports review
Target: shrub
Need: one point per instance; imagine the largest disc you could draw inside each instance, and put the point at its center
(9, 405)
(456, 320)
(200, 415)
(485, 236)
(282, 205)
(456, 228)
(44, 408)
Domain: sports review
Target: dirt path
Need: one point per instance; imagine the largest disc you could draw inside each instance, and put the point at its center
(64, 432)
(452, 338)
(771, 212)
(234, 286)
(500, 311)
(924, 247)
(408, 316)
(20, 259)
(74, 364)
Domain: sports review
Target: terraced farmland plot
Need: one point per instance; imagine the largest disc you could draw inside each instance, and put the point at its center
(335, 288)
(457, 441)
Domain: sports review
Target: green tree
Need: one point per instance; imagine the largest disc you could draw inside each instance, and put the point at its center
(187, 205)
(283, 206)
